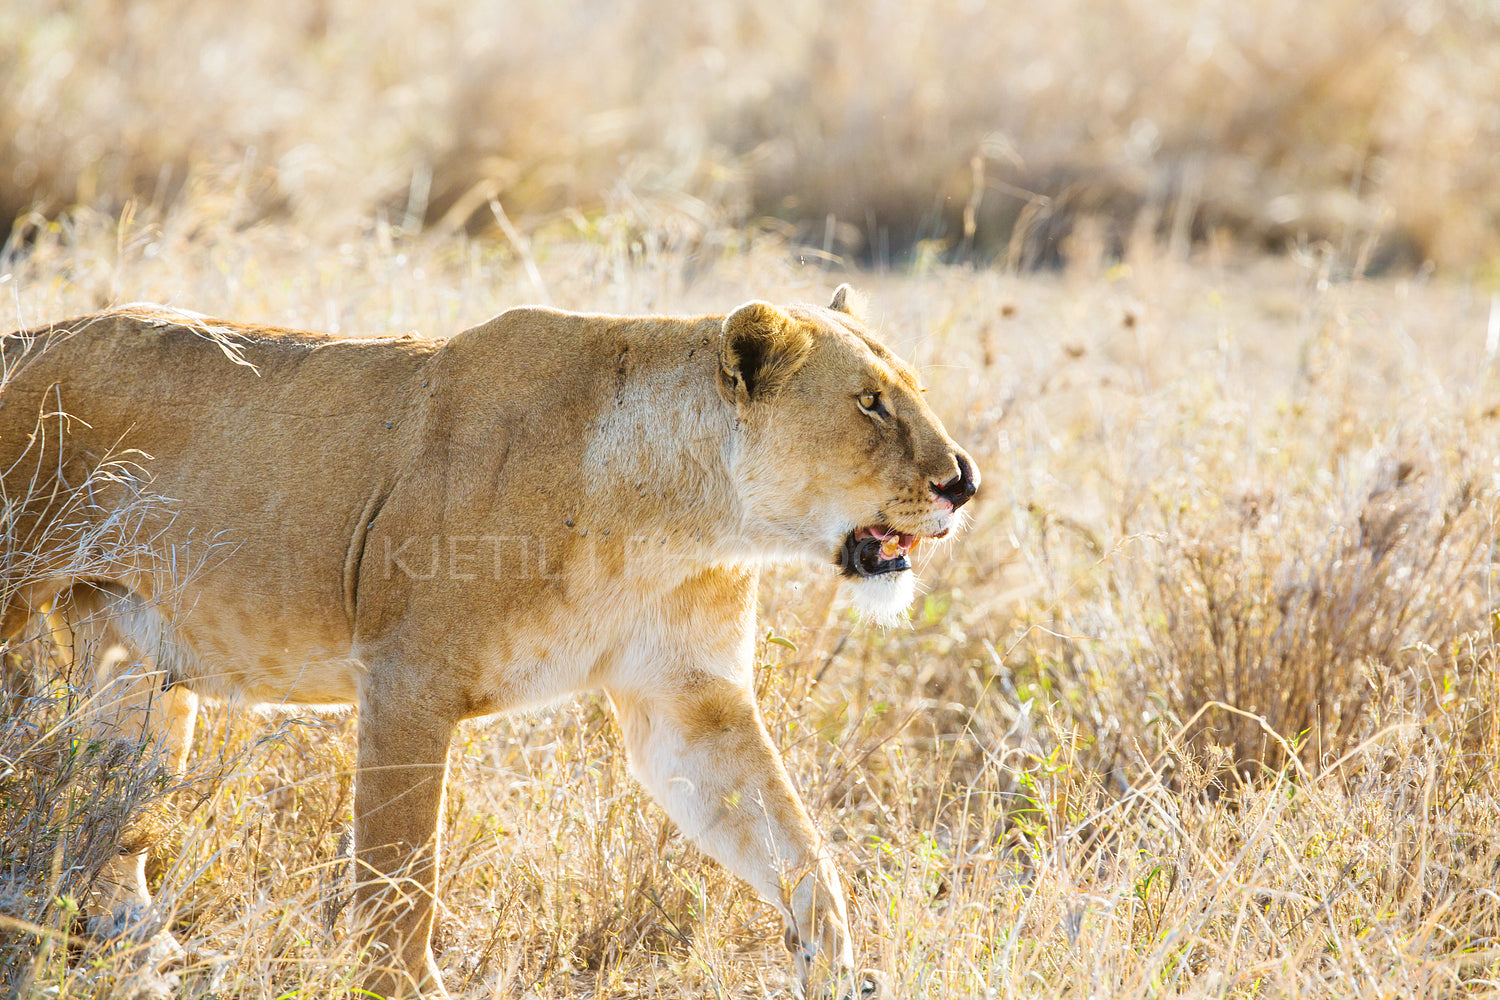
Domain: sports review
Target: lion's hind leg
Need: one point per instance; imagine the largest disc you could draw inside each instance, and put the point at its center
(21, 615)
(122, 703)
(126, 695)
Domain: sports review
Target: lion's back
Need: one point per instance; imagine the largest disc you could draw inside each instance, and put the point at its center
(270, 441)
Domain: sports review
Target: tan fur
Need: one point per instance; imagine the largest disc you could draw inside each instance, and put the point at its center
(435, 530)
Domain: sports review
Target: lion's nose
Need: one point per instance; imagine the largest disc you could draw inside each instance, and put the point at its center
(962, 487)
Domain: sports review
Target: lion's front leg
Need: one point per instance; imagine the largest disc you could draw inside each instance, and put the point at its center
(704, 754)
(398, 799)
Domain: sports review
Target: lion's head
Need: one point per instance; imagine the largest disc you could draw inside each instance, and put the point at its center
(838, 456)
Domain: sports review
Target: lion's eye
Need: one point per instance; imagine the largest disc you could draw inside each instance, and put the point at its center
(870, 402)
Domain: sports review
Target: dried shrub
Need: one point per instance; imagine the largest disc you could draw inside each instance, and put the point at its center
(1312, 627)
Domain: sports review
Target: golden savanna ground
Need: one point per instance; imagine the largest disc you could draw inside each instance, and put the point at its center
(1205, 702)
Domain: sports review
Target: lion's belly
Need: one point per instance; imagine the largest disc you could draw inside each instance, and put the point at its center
(309, 677)
(268, 659)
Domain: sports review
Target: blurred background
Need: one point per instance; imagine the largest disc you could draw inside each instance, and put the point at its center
(881, 132)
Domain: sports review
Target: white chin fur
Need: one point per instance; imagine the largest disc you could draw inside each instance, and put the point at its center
(885, 599)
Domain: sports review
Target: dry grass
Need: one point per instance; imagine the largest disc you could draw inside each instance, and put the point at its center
(1205, 704)
(1241, 483)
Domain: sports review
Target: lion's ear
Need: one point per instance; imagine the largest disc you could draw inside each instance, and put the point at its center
(760, 348)
(840, 303)
(847, 301)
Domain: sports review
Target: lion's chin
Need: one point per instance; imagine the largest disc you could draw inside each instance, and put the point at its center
(884, 599)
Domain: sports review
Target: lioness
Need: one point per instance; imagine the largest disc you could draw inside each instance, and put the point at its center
(440, 529)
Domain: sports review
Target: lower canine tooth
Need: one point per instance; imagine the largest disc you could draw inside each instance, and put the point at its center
(890, 548)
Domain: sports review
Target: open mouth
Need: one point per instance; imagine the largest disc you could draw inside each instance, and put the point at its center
(876, 549)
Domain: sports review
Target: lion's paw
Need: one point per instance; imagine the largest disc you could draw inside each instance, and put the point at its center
(152, 968)
(873, 985)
